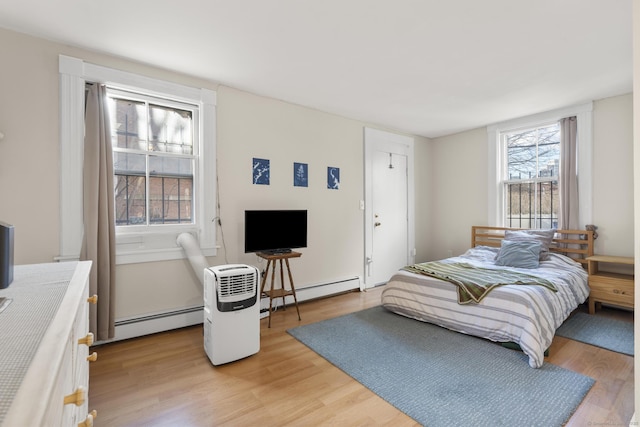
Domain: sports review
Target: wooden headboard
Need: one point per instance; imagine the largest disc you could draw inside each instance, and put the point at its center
(577, 244)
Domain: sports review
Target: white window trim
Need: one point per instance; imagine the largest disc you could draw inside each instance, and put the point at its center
(136, 247)
(584, 114)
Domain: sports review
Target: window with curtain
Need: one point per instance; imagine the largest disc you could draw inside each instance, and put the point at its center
(531, 176)
(155, 151)
(533, 167)
(165, 162)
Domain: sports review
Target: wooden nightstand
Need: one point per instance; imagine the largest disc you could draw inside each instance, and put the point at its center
(613, 288)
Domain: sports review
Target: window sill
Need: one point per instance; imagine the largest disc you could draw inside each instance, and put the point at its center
(136, 247)
(156, 255)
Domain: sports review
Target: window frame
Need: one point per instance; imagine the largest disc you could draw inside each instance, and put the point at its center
(194, 156)
(497, 158)
(536, 180)
(133, 246)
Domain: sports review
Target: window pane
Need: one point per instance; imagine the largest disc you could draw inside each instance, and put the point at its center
(170, 190)
(519, 199)
(521, 155)
(533, 152)
(549, 204)
(549, 151)
(171, 130)
(130, 125)
(170, 200)
(129, 183)
(130, 200)
(129, 164)
(532, 205)
(170, 166)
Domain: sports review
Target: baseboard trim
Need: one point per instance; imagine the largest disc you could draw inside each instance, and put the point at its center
(138, 326)
(320, 290)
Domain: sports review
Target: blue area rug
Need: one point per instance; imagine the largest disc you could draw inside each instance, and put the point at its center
(443, 378)
(612, 334)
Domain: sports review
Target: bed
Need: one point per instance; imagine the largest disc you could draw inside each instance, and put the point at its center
(525, 314)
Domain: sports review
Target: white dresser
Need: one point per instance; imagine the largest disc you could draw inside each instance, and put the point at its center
(44, 346)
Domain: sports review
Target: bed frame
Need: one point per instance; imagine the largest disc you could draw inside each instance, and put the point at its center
(577, 244)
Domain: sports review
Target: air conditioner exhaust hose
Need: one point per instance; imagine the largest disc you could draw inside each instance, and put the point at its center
(196, 258)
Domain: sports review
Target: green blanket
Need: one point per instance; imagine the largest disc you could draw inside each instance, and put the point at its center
(474, 283)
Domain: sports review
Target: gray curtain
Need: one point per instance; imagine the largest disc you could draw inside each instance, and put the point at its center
(568, 174)
(99, 228)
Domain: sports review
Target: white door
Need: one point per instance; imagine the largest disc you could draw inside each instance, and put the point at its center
(389, 219)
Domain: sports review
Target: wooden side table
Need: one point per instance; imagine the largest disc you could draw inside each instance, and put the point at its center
(282, 292)
(613, 288)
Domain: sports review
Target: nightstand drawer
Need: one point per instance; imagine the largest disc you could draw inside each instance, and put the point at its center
(613, 290)
(608, 281)
(608, 287)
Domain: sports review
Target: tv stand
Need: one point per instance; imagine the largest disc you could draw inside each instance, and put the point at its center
(272, 258)
(277, 251)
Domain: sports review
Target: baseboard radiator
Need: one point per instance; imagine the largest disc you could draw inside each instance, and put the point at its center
(307, 293)
(158, 322)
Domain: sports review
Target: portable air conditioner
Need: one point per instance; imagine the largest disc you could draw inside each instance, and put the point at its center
(231, 312)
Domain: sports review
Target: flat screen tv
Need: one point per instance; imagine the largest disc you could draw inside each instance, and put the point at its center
(274, 231)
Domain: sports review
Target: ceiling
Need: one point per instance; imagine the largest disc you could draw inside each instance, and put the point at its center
(424, 67)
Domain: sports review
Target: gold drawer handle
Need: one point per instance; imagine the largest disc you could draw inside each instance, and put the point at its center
(88, 340)
(93, 299)
(618, 291)
(77, 398)
(88, 422)
(92, 357)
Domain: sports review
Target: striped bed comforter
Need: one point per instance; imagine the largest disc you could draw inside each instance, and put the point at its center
(473, 282)
(526, 315)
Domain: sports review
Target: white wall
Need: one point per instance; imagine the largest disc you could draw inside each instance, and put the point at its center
(425, 210)
(29, 153)
(459, 191)
(253, 126)
(459, 182)
(613, 174)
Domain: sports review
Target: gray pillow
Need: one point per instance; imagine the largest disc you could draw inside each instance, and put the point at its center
(545, 237)
(522, 254)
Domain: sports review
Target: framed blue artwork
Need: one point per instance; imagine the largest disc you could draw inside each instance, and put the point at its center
(261, 171)
(300, 174)
(333, 178)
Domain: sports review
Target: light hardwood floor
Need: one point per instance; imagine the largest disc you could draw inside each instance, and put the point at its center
(166, 379)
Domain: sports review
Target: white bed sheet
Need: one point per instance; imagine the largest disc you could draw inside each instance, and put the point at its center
(525, 314)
